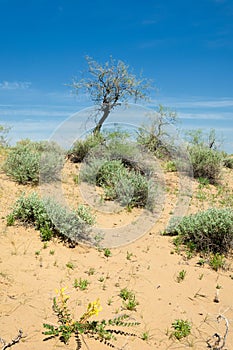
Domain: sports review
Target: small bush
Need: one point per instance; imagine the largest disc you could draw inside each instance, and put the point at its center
(209, 231)
(28, 160)
(128, 187)
(206, 162)
(182, 328)
(50, 218)
(170, 166)
(228, 163)
(81, 148)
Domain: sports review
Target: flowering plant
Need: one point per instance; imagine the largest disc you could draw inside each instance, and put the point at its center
(67, 326)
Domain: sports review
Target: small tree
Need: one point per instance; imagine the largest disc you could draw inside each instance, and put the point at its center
(109, 85)
(155, 135)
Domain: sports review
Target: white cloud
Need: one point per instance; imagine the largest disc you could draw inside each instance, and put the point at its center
(195, 102)
(15, 85)
(205, 116)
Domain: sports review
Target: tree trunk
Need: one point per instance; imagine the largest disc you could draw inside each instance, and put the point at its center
(99, 125)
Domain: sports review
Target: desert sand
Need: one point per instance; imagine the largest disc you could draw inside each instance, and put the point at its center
(31, 271)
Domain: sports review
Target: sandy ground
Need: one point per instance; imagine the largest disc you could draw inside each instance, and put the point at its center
(30, 271)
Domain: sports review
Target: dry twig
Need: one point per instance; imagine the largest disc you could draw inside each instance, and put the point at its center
(218, 338)
(12, 342)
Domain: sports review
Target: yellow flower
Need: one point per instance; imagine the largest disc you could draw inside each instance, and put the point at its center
(63, 297)
(93, 308)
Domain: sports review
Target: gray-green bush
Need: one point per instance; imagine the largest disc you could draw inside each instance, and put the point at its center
(128, 186)
(81, 148)
(52, 219)
(28, 160)
(206, 162)
(228, 162)
(210, 231)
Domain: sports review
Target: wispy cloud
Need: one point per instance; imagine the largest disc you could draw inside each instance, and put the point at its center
(15, 85)
(195, 102)
(206, 116)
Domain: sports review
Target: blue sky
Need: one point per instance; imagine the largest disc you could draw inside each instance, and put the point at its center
(184, 46)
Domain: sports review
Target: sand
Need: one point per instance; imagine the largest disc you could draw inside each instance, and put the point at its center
(30, 271)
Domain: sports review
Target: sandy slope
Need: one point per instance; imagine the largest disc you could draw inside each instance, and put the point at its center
(31, 271)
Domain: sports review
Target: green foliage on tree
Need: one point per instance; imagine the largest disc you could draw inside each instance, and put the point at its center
(109, 85)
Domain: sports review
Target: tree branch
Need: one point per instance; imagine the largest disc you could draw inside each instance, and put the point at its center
(13, 341)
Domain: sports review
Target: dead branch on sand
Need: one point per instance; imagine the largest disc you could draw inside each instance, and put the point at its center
(218, 338)
(12, 342)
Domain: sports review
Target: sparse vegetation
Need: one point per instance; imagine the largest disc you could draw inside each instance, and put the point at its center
(81, 284)
(205, 157)
(28, 162)
(107, 252)
(50, 218)
(210, 231)
(81, 148)
(98, 330)
(228, 162)
(181, 276)
(129, 299)
(182, 328)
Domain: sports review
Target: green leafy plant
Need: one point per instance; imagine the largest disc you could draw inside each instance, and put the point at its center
(91, 271)
(182, 328)
(203, 181)
(107, 252)
(217, 261)
(129, 299)
(70, 265)
(129, 255)
(181, 276)
(170, 166)
(81, 284)
(102, 331)
(50, 218)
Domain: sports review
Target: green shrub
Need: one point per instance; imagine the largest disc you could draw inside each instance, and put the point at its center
(206, 162)
(81, 148)
(28, 160)
(50, 218)
(128, 187)
(156, 134)
(170, 166)
(209, 231)
(228, 163)
(182, 328)
(122, 169)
